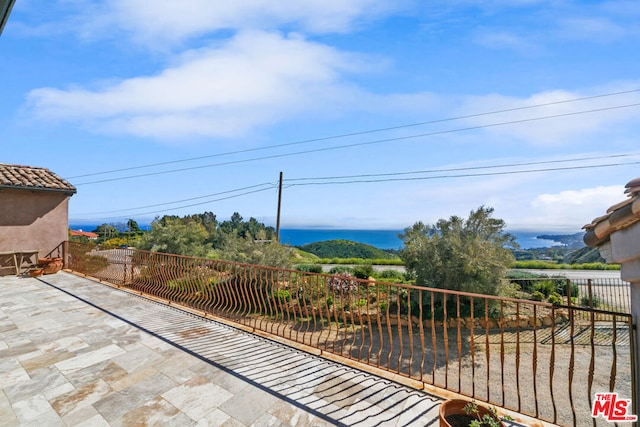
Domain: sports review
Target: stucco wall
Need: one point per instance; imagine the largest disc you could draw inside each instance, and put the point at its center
(33, 220)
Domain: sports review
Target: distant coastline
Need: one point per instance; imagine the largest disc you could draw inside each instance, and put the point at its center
(382, 239)
(388, 239)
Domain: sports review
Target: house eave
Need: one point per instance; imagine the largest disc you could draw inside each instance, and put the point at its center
(5, 11)
(68, 191)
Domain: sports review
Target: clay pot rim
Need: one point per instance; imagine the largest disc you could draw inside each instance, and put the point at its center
(48, 260)
(452, 406)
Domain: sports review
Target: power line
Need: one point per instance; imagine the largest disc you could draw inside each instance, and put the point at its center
(352, 181)
(399, 138)
(270, 185)
(188, 206)
(365, 132)
(546, 162)
(422, 178)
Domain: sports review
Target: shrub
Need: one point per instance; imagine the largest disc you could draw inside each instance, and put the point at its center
(362, 302)
(363, 271)
(561, 288)
(545, 287)
(391, 274)
(555, 298)
(524, 279)
(537, 296)
(309, 268)
(283, 295)
(595, 301)
(116, 242)
(340, 269)
(536, 265)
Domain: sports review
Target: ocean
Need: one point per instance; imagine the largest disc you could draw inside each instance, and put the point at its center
(388, 239)
(383, 239)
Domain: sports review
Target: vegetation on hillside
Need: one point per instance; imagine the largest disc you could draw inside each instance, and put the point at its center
(251, 242)
(583, 255)
(202, 235)
(345, 249)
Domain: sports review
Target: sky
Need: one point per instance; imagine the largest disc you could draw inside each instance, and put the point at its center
(378, 114)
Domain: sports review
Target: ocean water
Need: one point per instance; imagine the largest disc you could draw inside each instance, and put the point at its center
(383, 239)
(388, 239)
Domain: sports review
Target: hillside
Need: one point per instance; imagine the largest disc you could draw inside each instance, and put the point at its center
(584, 255)
(345, 249)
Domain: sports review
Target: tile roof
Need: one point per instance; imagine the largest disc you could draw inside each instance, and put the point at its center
(32, 178)
(80, 233)
(618, 216)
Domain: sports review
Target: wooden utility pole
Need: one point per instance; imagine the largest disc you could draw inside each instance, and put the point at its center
(279, 204)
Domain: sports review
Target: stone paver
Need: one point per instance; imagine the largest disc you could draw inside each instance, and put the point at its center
(74, 352)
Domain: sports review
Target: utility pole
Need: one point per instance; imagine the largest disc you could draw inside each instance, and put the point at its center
(279, 203)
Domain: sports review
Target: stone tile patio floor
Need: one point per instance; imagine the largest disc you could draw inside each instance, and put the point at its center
(74, 352)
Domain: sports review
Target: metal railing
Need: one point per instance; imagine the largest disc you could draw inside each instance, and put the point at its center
(604, 294)
(536, 358)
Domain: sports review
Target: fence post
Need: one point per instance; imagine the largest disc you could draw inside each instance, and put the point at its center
(65, 253)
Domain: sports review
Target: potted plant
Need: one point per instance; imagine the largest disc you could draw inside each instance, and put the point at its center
(50, 265)
(462, 413)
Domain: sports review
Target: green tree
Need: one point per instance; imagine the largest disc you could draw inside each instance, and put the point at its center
(469, 255)
(133, 227)
(174, 236)
(248, 251)
(106, 232)
(209, 222)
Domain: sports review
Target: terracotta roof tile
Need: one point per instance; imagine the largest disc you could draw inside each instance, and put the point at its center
(619, 216)
(88, 234)
(32, 178)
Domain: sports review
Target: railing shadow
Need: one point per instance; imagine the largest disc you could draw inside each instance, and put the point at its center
(336, 394)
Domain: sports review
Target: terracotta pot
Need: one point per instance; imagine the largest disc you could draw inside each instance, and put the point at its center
(53, 267)
(44, 261)
(36, 272)
(452, 413)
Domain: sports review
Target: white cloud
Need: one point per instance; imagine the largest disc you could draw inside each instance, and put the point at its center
(253, 79)
(546, 119)
(168, 21)
(569, 209)
(506, 40)
(572, 199)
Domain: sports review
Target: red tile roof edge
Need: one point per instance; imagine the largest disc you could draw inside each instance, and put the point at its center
(32, 178)
(619, 216)
(84, 233)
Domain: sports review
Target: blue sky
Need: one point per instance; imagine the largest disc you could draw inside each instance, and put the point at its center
(378, 113)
